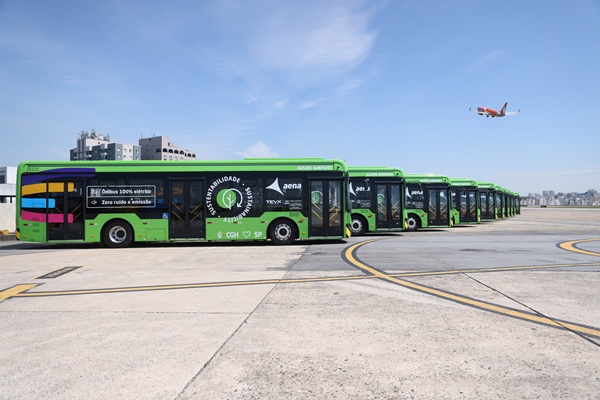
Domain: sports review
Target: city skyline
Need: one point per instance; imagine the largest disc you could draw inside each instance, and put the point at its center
(551, 198)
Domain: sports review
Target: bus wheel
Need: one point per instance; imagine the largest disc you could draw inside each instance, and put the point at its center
(412, 223)
(358, 225)
(282, 231)
(117, 233)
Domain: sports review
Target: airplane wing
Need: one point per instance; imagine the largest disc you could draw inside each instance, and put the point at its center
(513, 112)
(476, 111)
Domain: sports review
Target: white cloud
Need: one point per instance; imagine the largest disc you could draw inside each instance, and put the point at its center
(342, 41)
(272, 50)
(311, 104)
(317, 37)
(258, 150)
(301, 44)
(348, 86)
(281, 104)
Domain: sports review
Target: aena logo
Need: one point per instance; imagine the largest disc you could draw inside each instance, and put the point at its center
(358, 189)
(292, 186)
(286, 186)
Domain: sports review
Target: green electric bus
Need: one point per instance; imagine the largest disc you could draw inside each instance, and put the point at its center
(517, 204)
(488, 201)
(513, 199)
(428, 202)
(505, 202)
(376, 197)
(501, 200)
(465, 196)
(497, 202)
(120, 202)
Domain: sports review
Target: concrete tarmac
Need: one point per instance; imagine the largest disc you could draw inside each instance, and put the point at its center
(508, 309)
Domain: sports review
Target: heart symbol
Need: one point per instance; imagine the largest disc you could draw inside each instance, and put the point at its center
(246, 234)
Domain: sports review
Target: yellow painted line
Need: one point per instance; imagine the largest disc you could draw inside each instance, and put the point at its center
(461, 299)
(276, 281)
(493, 269)
(570, 246)
(186, 286)
(15, 291)
(21, 290)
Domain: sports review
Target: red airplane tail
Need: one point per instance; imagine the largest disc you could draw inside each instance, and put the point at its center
(503, 110)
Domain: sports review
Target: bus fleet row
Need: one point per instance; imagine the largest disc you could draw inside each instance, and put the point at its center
(387, 199)
(281, 200)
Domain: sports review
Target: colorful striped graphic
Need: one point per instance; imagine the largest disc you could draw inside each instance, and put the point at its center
(41, 217)
(54, 187)
(38, 203)
(28, 179)
(35, 183)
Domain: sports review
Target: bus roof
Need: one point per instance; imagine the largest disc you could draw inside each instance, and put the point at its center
(427, 178)
(374, 172)
(463, 182)
(486, 185)
(248, 164)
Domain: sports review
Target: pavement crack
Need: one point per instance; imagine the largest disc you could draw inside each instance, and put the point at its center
(196, 376)
(533, 310)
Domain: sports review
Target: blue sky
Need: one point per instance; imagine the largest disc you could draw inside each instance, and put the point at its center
(371, 82)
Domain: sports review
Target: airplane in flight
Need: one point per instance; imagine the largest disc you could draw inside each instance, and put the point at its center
(490, 112)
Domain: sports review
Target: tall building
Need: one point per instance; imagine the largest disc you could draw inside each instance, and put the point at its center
(159, 148)
(8, 184)
(116, 151)
(94, 146)
(85, 142)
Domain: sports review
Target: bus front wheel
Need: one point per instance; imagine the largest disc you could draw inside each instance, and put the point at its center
(282, 231)
(358, 225)
(117, 234)
(412, 223)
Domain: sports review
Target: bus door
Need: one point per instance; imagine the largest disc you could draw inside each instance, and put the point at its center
(64, 210)
(472, 205)
(483, 203)
(389, 205)
(499, 206)
(487, 205)
(326, 211)
(468, 205)
(186, 210)
(438, 207)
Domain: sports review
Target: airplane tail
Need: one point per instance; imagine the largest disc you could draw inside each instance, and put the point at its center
(503, 110)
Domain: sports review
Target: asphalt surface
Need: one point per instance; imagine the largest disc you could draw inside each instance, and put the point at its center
(500, 310)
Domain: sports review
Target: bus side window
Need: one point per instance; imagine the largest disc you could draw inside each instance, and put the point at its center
(362, 193)
(414, 196)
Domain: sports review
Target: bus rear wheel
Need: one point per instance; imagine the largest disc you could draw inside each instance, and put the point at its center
(282, 231)
(358, 225)
(117, 234)
(412, 223)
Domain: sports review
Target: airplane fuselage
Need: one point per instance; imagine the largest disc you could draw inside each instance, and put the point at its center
(488, 112)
